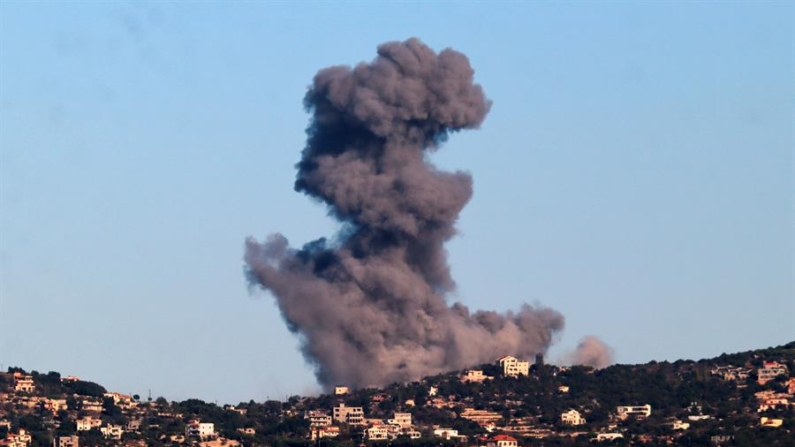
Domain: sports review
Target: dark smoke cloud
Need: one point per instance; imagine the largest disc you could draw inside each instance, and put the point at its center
(369, 307)
(591, 352)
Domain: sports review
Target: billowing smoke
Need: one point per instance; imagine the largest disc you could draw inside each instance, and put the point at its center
(591, 352)
(369, 307)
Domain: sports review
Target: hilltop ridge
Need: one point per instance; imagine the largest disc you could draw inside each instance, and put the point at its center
(741, 399)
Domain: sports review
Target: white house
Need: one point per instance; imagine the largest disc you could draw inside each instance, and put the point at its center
(513, 367)
(376, 433)
(638, 411)
(198, 429)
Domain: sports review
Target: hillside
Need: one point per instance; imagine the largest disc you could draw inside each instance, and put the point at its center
(742, 399)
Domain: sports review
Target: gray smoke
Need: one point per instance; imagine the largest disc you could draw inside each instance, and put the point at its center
(591, 352)
(369, 307)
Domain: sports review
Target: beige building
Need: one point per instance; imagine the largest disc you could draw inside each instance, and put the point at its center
(349, 415)
(769, 371)
(513, 367)
(87, 423)
(474, 375)
(403, 420)
(23, 383)
(572, 417)
(340, 390)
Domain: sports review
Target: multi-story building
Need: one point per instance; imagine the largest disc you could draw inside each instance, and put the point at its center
(513, 367)
(23, 383)
(572, 417)
(317, 419)
(376, 433)
(638, 411)
(349, 415)
(403, 420)
(201, 430)
(769, 371)
(87, 423)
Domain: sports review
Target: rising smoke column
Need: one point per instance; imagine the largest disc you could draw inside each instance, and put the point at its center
(369, 308)
(590, 352)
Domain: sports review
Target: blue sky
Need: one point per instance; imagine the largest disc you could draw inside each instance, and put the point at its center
(635, 173)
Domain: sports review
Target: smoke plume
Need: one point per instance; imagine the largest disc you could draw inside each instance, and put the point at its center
(591, 352)
(369, 307)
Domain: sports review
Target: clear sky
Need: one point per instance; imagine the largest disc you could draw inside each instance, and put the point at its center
(635, 173)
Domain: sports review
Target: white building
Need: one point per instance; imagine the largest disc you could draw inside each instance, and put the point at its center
(446, 433)
(87, 423)
(513, 367)
(572, 417)
(198, 429)
(66, 441)
(112, 431)
(376, 433)
(318, 419)
(349, 415)
(638, 411)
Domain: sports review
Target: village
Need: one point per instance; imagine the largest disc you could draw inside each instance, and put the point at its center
(509, 403)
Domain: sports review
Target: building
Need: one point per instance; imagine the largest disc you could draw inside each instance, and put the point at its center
(770, 422)
(403, 420)
(608, 437)
(769, 371)
(247, 431)
(317, 419)
(91, 405)
(572, 417)
(376, 433)
(23, 383)
(340, 390)
(66, 441)
(201, 430)
(349, 415)
(446, 433)
(563, 389)
(324, 432)
(513, 367)
(680, 425)
(474, 375)
(112, 431)
(21, 439)
(502, 441)
(87, 423)
(638, 411)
